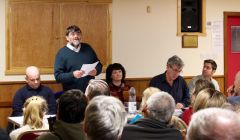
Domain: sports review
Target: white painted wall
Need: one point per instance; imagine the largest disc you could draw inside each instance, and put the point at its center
(143, 41)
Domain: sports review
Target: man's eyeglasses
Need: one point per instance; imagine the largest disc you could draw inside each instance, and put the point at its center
(176, 70)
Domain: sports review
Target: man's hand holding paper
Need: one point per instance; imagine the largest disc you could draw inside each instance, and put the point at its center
(78, 73)
(89, 69)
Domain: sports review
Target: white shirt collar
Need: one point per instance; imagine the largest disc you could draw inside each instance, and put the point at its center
(73, 48)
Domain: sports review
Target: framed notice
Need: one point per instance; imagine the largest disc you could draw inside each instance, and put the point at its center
(189, 41)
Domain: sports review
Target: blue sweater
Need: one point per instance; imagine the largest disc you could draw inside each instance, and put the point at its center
(25, 92)
(68, 61)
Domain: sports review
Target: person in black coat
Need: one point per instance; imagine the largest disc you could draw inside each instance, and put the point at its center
(155, 125)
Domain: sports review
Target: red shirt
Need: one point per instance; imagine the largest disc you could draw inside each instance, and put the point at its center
(117, 91)
(187, 114)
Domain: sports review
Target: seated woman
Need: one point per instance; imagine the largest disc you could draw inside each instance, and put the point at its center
(207, 98)
(199, 85)
(115, 77)
(34, 109)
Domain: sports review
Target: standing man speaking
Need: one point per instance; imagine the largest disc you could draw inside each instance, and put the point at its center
(70, 58)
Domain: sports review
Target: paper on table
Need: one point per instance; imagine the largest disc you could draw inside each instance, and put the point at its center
(88, 67)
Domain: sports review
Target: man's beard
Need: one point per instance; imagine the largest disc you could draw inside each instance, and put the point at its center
(75, 43)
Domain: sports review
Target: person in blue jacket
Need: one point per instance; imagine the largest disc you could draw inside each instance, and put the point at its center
(70, 58)
(33, 87)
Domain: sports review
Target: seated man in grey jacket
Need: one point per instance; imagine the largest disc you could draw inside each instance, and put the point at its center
(70, 114)
(209, 68)
(155, 124)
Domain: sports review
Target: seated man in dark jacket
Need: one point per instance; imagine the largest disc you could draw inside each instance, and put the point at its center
(33, 87)
(155, 124)
(172, 82)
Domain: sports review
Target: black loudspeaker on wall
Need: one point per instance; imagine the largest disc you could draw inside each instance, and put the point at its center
(191, 15)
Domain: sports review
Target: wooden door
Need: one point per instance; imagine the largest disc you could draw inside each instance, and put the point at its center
(231, 53)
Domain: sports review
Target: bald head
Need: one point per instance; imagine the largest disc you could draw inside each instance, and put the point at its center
(32, 70)
(33, 77)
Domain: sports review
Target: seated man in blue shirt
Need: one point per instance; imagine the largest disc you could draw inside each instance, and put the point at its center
(33, 88)
(171, 81)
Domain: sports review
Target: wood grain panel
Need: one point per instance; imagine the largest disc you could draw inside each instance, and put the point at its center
(8, 90)
(93, 19)
(83, 1)
(34, 30)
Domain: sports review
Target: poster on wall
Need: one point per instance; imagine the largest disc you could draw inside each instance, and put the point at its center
(235, 39)
(217, 36)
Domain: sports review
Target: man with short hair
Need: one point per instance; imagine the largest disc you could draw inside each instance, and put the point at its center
(95, 88)
(105, 117)
(70, 58)
(214, 124)
(70, 114)
(209, 68)
(33, 88)
(171, 81)
(155, 125)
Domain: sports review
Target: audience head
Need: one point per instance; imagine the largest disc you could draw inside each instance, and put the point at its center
(174, 67)
(115, 72)
(208, 98)
(71, 106)
(237, 109)
(33, 77)
(228, 106)
(160, 106)
(209, 68)
(34, 109)
(105, 117)
(237, 84)
(96, 88)
(147, 93)
(200, 85)
(214, 124)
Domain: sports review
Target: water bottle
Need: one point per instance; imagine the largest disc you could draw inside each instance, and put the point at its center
(132, 105)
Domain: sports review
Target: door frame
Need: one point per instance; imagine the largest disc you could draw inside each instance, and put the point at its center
(226, 15)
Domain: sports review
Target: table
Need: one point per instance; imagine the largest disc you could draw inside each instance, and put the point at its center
(18, 121)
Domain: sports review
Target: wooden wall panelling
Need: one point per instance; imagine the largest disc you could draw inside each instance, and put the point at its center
(139, 84)
(36, 30)
(5, 112)
(33, 35)
(83, 1)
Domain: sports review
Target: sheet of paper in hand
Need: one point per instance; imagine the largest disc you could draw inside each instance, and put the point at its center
(88, 67)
